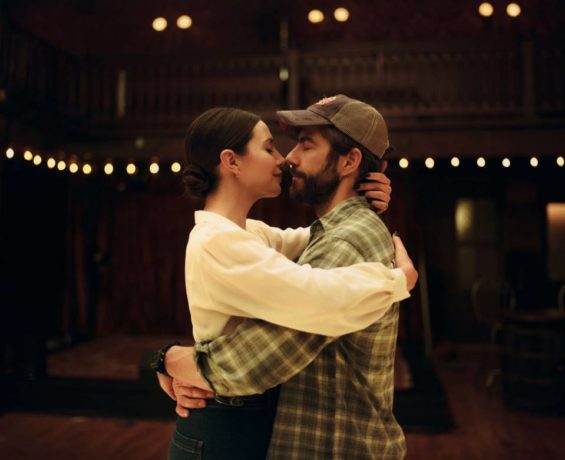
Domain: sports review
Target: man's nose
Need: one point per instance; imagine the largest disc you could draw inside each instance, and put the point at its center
(292, 157)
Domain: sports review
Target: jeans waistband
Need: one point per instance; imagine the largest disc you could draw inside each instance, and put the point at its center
(246, 401)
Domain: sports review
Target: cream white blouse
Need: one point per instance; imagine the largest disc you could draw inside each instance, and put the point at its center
(232, 272)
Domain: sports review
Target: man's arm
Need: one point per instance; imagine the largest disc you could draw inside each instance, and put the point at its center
(260, 355)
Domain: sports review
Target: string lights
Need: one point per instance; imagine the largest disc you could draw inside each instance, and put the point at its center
(184, 21)
(512, 9)
(317, 16)
(155, 165)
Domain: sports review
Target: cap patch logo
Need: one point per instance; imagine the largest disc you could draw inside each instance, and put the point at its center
(326, 100)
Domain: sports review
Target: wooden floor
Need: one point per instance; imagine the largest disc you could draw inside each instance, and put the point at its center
(485, 430)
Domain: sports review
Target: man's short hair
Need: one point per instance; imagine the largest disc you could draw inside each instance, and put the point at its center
(341, 144)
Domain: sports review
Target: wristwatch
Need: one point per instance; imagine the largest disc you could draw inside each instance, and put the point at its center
(157, 362)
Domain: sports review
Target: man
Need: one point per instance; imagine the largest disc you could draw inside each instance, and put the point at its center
(336, 397)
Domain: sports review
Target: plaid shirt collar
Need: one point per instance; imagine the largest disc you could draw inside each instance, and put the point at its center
(337, 215)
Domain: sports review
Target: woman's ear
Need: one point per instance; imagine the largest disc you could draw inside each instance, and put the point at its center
(228, 161)
(351, 161)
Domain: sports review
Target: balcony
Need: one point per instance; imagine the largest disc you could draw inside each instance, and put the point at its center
(418, 87)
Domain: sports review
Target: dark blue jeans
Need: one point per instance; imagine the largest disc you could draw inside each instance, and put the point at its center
(224, 432)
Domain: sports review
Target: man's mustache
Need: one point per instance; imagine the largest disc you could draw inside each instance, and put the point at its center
(290, 170)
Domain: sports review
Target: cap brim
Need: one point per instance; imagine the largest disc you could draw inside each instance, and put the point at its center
(301, 118)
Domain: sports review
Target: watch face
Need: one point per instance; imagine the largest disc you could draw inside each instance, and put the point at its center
(154, 361)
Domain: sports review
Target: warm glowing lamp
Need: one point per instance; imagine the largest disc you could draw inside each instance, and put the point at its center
(184, 22)
(159, 24)
(513, 10)
(154, 168)
(486, 9)
(315, 16)
(341, 14)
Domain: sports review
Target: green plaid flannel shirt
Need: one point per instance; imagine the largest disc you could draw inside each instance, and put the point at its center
(337, 393)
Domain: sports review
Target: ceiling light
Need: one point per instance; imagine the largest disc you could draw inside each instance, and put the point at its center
(513, 10)
(315, 16)
(159, 24)
(341, 14)
(486, 9)
(184, 22)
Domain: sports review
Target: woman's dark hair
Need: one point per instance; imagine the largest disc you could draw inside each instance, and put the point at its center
(340, 144)
(211, 132)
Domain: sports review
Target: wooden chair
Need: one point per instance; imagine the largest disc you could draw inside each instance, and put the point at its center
(491, 299)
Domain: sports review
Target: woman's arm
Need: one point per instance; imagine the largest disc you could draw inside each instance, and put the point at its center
(290, 242)
(235, 274)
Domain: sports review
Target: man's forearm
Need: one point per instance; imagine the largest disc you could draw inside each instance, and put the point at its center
(179, 362)
(259, 356)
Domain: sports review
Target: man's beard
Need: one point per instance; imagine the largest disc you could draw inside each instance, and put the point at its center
(316, 189)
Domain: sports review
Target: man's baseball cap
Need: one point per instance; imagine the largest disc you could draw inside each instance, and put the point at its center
(361, 122)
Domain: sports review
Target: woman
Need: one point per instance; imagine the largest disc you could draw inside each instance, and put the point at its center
(236, 267)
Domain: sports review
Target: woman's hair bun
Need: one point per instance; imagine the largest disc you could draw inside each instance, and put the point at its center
(197, 180)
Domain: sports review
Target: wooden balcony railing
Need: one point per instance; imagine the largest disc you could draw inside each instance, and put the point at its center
(513, 79)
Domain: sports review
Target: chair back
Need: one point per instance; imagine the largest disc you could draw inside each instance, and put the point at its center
(490, 297)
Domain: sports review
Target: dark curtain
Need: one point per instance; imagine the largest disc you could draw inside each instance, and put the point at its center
(126, 247)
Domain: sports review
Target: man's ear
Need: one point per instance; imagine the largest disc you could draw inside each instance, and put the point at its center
(228, 161)
(350, 162)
